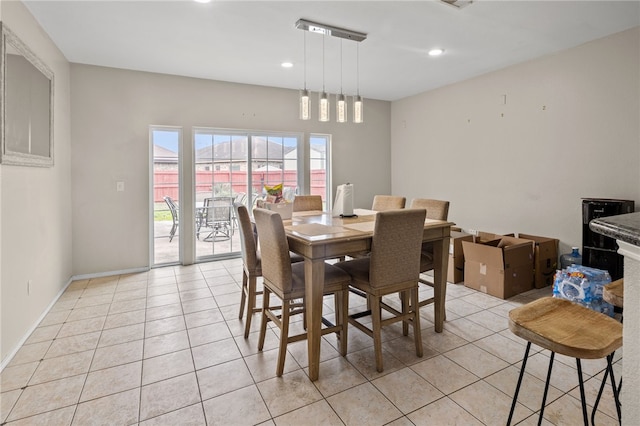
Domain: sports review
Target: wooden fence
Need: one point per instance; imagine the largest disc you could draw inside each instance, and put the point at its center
(232, 182)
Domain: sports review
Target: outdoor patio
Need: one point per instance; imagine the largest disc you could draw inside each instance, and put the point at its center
(166, 251)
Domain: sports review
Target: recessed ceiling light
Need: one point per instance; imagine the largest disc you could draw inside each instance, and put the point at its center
(286, 65)
(202, 1)
(436, 52)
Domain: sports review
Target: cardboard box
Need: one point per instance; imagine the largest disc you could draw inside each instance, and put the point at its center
(502, 267)
(455, 273)
(483, 237)
(545, 261)
(285, 209)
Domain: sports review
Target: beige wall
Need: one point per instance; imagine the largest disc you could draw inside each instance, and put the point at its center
(36, 206)
(570, 128)
(112, 110)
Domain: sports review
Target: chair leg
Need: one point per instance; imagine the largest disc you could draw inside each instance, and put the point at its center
(251, 303)
(417, 334)
(515, 395)
(404, 302)
(243, 295)
(265, 319)
(342, 316)
(284, 337)
(376, 328)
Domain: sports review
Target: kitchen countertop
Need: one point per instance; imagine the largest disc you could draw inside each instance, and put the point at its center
(624, 227)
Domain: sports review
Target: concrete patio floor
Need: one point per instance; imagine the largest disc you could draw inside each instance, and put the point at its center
(166, 251)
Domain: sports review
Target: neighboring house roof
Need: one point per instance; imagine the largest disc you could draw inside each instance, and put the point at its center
(237, 150)
(164, 155)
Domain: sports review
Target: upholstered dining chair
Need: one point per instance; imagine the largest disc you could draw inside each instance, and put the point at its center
(387, 202)
(251, 265)
(286, 281)
(392, 267)
(302, 203)
(438, 210)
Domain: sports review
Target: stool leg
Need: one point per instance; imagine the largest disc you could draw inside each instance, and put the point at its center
(515, 395)
(616, 392)
(546, 387)
(597, 401)
(585, 416)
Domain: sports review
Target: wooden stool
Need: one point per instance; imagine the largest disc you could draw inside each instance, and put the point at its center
(569, 329)
(614, 293)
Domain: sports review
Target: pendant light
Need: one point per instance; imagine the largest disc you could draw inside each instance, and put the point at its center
(323, 105)
(341, 103)
(358, 106)
(305, 100)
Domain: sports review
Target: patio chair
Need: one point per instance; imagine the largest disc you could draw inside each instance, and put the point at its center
(217, 216)
(174, 216)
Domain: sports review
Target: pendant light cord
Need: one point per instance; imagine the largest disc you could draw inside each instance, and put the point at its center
(341, 66)
(323, 37)
(358, 69)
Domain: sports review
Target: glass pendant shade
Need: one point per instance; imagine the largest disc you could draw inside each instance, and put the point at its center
(358, 109)
(341, 109)
(323, 107)
(305, 105)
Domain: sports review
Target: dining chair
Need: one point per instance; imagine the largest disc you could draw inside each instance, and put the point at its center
(251, 264)
(286, 281)
(174, 216)
(302, 203)
(438, 210)
(393, 266)
(388, 202)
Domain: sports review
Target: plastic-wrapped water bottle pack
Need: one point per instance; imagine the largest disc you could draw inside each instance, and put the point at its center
(583, 285)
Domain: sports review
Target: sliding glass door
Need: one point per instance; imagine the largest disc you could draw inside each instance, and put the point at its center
(229, 166)
(165, 195)
(237, 166)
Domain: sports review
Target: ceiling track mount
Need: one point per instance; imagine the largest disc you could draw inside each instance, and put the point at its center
(315, 27)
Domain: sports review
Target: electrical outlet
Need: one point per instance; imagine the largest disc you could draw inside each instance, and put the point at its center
(472, 231)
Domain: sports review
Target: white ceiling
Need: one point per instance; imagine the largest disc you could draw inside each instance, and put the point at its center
(246, 41)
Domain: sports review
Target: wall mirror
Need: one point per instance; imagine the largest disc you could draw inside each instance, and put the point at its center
(26, 104)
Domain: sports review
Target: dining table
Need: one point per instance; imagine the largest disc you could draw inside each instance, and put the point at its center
(319, 236)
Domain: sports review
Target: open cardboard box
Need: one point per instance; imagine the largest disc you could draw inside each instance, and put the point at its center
(455, 272)
(545, 262)
(502, 267)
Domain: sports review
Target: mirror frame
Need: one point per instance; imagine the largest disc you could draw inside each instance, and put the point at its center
(22, 157)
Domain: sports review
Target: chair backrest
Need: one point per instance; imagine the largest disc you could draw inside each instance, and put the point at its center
(247, 237)
(387, 202)
(395, 248)
(218, 209)
(302, 203)
(172, 208)
(241, 197)
(274, 249)
(436, 209)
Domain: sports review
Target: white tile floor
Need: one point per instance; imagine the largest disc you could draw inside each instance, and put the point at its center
(166, 347)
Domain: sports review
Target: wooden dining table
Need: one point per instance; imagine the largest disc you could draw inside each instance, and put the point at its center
(318, 236)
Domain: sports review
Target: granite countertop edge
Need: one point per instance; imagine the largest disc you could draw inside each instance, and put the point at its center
(625, 227)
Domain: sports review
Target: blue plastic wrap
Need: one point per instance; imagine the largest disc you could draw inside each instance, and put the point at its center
(583, 285)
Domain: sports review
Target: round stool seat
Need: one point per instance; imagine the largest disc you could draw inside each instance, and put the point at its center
(566, 328)
(614, 293)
